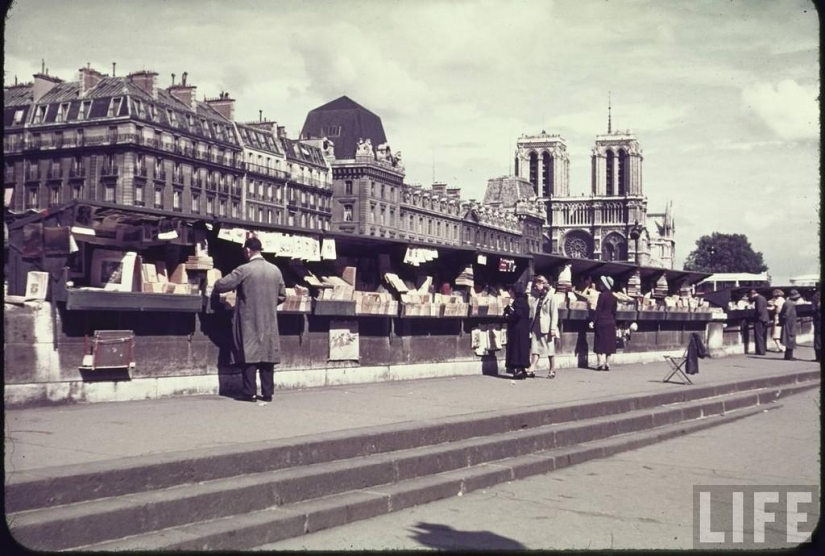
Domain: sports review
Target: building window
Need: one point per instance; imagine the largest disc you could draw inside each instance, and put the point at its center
(347, 213)
(291, 219)
(114, 107)
(55, 200)
(260, 215)
(269, 191)
(534, 171)
(222, 208)
(348, 187)
(547, 175)
(31, 198)
(623, 172)
(303, 220)
(18, 117)
(176, 199)
(40, 114)
(236, 209)
(609, 173)
(109, 193)
(62, 112)
(158, 197)
(77, 192)
(196, 203)
(139, 194)
(250, 213)
(210, 205)
(269, 216)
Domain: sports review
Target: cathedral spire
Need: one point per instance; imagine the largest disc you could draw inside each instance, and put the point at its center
(609, 123)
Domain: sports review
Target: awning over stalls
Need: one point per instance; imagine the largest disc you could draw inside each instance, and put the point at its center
(583, 267)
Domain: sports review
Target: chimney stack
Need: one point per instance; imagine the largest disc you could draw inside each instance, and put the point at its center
(281, 131)
(43, 83)
(88, 78)
(187, 94)
(223, 105)
(146, 80)
(454, 193)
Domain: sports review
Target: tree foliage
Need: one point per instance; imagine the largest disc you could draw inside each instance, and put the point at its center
(725, 253)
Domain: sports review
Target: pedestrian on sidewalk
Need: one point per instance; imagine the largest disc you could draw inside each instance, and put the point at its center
(604, 324)
(544, 330)
(256, 343)
(775, 306)
(760, 325)
(517, 357)
(817, 306)
(790, 326)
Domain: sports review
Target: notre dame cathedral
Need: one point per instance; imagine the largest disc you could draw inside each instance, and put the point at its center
(604, 224)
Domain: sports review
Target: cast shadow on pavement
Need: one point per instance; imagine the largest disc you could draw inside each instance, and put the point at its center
(444, 537)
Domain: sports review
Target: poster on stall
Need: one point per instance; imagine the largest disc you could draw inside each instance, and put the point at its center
(343, 341)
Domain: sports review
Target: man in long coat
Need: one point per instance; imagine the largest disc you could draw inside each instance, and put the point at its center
(760, 325)
(789, 324)
(255, 340)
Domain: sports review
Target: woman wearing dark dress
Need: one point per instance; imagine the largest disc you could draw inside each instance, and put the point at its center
(518, 332)
(604, 324)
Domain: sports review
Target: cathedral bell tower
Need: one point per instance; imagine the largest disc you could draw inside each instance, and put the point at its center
(616, 163)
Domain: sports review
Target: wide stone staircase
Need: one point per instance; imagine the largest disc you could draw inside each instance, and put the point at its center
(237, 498)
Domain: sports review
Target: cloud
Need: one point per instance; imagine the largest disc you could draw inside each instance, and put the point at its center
(790, 110)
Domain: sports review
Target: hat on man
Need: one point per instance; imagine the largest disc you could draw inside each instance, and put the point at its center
(608, 282)
(794, 295)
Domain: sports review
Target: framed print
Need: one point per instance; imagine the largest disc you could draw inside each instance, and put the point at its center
(56, 241)
(113, 270)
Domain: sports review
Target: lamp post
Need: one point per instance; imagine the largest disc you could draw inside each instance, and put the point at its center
(635, 233)
(712, 253)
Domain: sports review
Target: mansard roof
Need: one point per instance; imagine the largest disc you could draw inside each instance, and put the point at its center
(169, 111)
(255, 138)
(344, 121)
(301, 152)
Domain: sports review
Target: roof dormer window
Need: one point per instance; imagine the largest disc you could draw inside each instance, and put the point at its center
(40, 114)
(114, 107)
(62, 112)
(83, 113)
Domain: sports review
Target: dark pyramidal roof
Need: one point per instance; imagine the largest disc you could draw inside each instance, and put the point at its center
(344, 121)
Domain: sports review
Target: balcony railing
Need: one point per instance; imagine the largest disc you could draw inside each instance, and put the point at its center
(8, 176)
(109, 170)
(13, 146)
(55, 174)
(32, 174)
(264, 171)
(141, 171)
(77, 172)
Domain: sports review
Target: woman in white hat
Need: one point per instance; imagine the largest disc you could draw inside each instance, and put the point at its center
(604, 324)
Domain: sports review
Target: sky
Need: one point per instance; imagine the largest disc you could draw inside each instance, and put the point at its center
(722, 95)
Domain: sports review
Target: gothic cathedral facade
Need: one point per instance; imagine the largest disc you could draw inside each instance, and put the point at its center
(612, 223)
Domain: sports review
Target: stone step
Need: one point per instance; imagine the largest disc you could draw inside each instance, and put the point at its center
(83, 523)
(48, 487)
(272, 524)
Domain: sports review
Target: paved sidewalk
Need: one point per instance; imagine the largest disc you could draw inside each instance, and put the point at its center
(54, 436)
